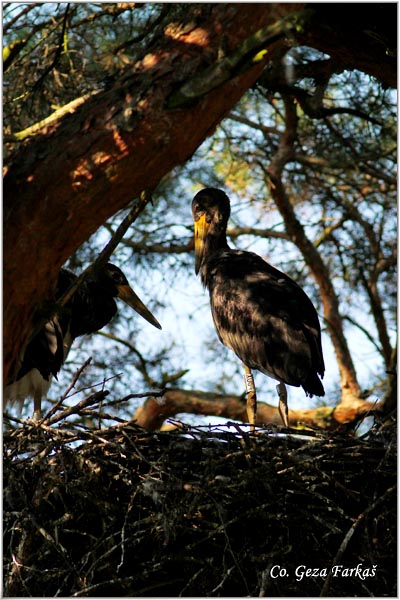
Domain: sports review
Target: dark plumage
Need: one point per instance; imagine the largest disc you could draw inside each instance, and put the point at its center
(91, 307)
(258, 311)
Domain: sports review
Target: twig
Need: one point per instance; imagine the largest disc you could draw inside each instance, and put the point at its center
(69, 388)
(105, 254)
(96, 397)
(350, 533)
(58, 51)
(69, 108)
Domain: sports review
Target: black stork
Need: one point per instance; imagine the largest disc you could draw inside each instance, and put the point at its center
(259, 312)
(91, 307)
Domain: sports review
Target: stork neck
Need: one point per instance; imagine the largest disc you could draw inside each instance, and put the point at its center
(93, 307)
(214, 245)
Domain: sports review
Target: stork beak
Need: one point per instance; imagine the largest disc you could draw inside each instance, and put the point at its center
(200, 232)
(126, 293)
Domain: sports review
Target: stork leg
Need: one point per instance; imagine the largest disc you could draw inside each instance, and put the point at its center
(283, 405)
(251, 396)
(37, 406)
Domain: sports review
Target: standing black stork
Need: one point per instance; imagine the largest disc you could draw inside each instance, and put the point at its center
(91, 307)
(259, 312)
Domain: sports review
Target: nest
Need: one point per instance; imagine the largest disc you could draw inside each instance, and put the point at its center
(198, 511)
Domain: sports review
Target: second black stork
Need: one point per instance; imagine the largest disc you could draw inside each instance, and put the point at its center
(259, 312)
(91, 307)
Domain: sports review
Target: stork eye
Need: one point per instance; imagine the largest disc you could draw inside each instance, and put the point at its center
(119, 278)
(116, 275)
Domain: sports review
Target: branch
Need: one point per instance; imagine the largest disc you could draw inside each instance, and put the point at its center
(235, 232)
(359, 159)
(252, 50)
(142, 366)
(105, 254)
(188, 247)
(39, 127)
(258, 126)
(314, 108)
(159, 248)
(361, 517)
(11, 52)
(365, 331)
(58, 51)
(328, 230)
(390, 399)
(153, 413)
(328, 33)
(150, 28)
(78, 373)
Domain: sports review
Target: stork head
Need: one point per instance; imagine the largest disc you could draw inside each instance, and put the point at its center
(211, 210)
(112, 278)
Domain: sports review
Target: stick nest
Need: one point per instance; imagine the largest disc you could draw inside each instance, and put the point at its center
(120, 511)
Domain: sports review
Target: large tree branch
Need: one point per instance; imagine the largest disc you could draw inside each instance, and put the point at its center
(362, 37)
(155, 411)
